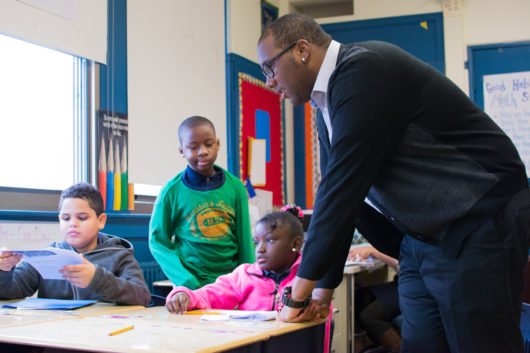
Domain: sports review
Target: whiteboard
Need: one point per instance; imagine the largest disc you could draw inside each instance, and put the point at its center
(507, 101)
(28, 235)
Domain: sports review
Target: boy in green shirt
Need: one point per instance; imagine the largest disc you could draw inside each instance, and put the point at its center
(200, 227)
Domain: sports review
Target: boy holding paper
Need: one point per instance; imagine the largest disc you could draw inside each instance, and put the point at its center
(109, 271)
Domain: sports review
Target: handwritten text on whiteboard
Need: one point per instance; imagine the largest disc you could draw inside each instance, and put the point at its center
(507, 101)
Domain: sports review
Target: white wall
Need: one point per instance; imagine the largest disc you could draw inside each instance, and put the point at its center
(176, 68)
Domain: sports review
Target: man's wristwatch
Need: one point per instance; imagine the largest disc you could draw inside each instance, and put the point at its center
(288, 301)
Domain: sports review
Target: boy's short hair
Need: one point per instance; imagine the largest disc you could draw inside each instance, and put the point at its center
(86, 192)
(284, 219)
(193, 121)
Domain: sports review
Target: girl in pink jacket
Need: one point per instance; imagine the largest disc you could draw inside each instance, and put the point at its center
(259, 286)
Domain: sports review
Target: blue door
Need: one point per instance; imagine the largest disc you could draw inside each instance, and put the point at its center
(494, 59)
(420, 35)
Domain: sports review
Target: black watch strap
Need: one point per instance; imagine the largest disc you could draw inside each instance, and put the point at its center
(288, 301)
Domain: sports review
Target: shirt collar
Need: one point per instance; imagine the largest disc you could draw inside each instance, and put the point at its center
(200, 182)
(320, 89)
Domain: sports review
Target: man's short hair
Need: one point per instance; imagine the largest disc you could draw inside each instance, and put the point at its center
(193, 121)
(86, 192)
(295, 26)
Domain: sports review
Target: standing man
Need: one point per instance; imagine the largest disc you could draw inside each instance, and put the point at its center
(423, 173)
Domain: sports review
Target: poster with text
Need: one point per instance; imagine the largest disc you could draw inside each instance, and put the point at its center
(111, 151)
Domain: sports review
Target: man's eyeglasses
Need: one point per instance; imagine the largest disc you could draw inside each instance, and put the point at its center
(267, 65)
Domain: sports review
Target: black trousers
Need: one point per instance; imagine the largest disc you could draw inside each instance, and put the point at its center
(471, 303)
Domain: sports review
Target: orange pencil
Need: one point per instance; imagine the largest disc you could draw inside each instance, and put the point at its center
(202, 313)
(121, 330)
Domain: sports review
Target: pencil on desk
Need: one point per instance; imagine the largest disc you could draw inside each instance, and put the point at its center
(121, 330)
(202, 313)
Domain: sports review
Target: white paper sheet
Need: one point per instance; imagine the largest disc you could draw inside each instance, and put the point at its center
(242, 315)
(48, 261)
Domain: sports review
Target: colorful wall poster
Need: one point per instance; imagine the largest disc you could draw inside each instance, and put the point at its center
(112, 138)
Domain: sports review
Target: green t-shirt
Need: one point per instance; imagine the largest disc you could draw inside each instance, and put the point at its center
(196, 236)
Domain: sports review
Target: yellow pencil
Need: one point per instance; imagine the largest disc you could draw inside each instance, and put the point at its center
(202, 313)
(122, 330)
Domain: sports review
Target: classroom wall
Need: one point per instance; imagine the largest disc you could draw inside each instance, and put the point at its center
(176, 68)
(477, 22)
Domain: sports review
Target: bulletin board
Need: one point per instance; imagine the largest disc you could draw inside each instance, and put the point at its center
(260, 117)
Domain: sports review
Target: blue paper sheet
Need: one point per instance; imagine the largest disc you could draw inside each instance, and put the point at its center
(48, 304)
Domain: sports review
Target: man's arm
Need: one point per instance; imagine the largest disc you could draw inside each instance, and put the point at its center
(363, 96)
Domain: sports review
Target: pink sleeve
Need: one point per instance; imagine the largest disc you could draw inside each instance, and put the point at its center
(224, 293)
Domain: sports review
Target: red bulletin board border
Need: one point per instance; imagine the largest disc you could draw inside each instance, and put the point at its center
(253, 95)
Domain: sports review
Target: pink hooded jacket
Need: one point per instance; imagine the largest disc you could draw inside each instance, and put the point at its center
(245, 289)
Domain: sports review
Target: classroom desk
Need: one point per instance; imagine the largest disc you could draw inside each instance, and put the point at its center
(344, 300)
(155, 330)
(343, 338)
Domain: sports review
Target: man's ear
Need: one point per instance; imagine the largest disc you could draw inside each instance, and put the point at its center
(302, 49)
(218, 144)
(102, 219)
(181, 151)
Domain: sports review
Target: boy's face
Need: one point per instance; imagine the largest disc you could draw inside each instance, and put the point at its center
(79, 224)
(199, 146)
(274, 250)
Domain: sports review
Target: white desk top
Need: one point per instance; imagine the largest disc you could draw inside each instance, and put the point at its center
(155, 330)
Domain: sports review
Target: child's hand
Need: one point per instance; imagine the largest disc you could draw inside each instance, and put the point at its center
(178, 303)
(79, 275)
(361, 253)
(8, 260)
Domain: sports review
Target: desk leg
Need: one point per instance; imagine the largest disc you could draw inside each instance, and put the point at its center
(351, 312)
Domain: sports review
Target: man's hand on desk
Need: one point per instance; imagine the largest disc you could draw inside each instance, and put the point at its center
(309, 313)
(319, 306)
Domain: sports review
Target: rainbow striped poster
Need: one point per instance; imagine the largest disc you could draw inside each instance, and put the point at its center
(112, 137)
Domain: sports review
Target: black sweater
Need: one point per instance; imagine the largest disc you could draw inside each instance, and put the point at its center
(411, 141)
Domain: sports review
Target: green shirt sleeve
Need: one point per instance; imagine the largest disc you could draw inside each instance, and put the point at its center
(162, 248)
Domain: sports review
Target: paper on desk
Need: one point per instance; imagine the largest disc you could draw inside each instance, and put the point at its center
(48, 304)
(369, 261)
(242, 315)
(48, 261)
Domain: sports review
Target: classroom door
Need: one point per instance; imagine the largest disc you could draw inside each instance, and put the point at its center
(494, 59)
(421, 35)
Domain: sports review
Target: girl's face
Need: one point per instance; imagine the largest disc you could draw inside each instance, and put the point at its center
(274, 249)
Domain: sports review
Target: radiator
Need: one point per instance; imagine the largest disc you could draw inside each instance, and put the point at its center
(152, 273)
